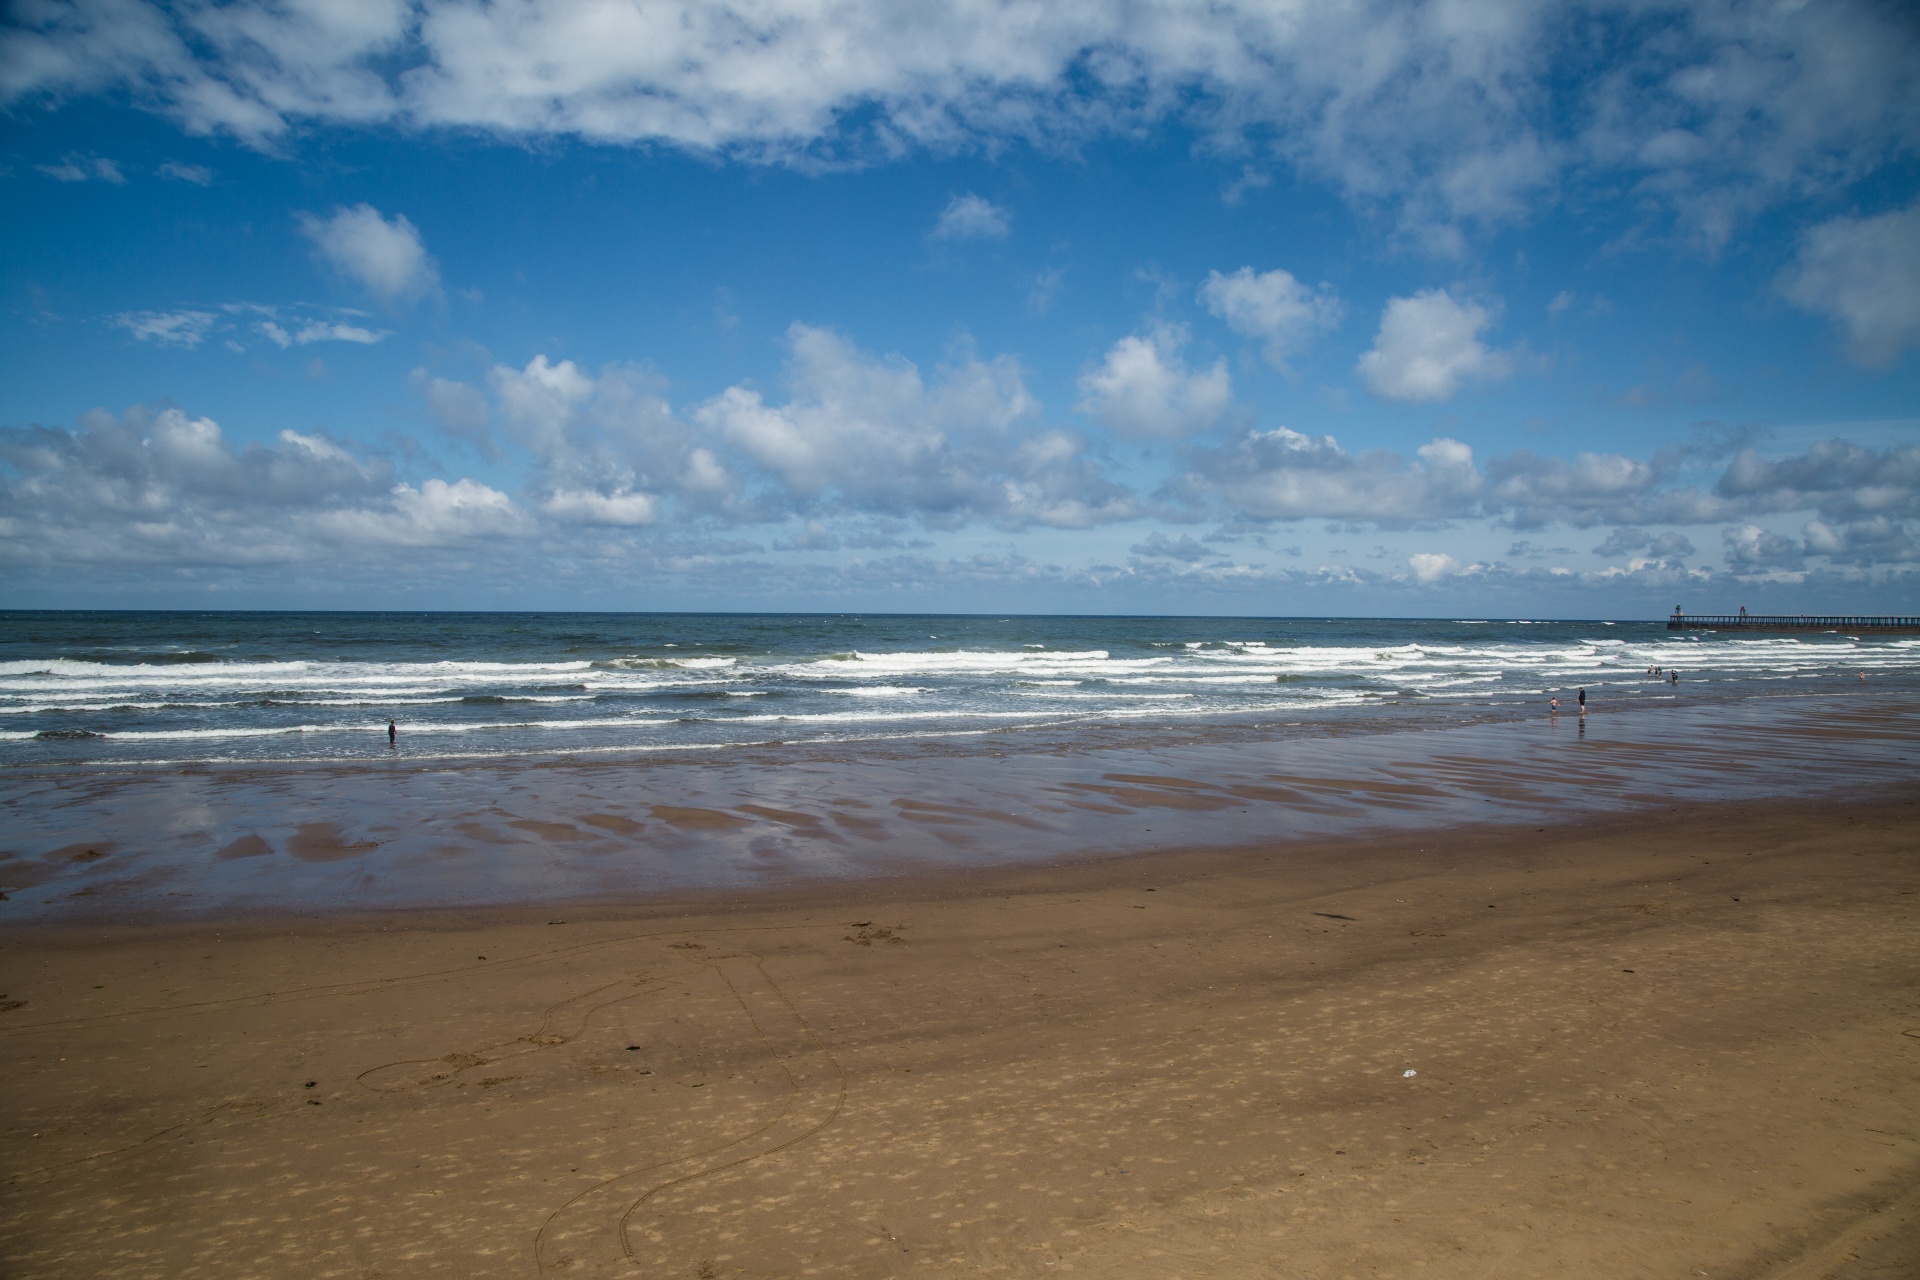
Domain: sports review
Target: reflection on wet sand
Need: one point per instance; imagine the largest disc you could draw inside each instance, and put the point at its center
(139, 842)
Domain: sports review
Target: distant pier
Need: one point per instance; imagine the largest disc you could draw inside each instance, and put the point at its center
(1856, 624)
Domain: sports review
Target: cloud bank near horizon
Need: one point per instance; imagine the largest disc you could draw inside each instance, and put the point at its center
(865, 452)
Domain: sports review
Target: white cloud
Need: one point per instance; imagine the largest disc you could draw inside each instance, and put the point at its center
(870, 431)
(1751, 548)
(337, 331)
(1838, 478)
(196, 174)
(321, 331)
(434, 515)
(858, 433)
(1272, 308)
(1431, 566)
(1868, 543)
(76, 168)
(167, 328)
(868, 434)
(589, 506)
(1841, 481)
(1863, 273)
(384, 256)
(1427, 346)
(1588, 489)
(1285, 475)
(162, 487)
(1144, 389)
(1454, 112)
(969, 217)
(291, 326)
(605, 447)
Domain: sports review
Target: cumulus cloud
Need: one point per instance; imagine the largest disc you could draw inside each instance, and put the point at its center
(871, 434)
(384, 256)
(1751, 549)
(590, 506)
(1431, 566)
(856, 435)
(1838, 478)
(1427, 346)
(1841, 481)
(1144, 389)
(1863, 273)
(969, 217)
(186, 329)
(160, 487)
(1866, 543)
(1286, 475)
(605, 446)
(1455, 113)
(433, 515)
(1271, 308)
(1587, 489)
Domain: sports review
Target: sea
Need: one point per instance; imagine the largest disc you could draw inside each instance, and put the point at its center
(174, 688)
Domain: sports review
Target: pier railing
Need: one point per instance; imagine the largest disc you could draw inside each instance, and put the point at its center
(1877, 624)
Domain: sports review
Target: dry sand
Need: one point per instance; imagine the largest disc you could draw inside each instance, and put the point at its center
(1674, 1044)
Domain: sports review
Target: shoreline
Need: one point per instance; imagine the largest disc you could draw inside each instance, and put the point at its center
(1673, 1040)
(1070, 734)
(220, 842)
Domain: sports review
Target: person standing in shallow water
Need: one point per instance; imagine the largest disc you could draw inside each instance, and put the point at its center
(393, 734)
(1583, 702)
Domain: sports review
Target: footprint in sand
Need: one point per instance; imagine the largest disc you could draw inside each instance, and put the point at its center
(561, 1023)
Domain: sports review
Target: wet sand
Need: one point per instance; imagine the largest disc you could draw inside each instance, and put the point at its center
(217, 841)
(1650, 1044)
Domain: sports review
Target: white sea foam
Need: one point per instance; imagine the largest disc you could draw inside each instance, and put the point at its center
(643, 700)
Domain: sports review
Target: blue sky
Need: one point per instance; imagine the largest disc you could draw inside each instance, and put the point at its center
(1461, 308)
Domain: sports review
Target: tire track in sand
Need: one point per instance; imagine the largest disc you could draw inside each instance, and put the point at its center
(596, 1229)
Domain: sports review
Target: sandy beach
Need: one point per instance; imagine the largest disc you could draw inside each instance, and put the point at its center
(1678, 1042)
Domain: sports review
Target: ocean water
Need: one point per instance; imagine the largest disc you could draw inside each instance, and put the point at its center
(169, 688)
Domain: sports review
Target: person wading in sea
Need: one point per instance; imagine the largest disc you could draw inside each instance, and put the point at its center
(1583, 702)
(393, 734)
